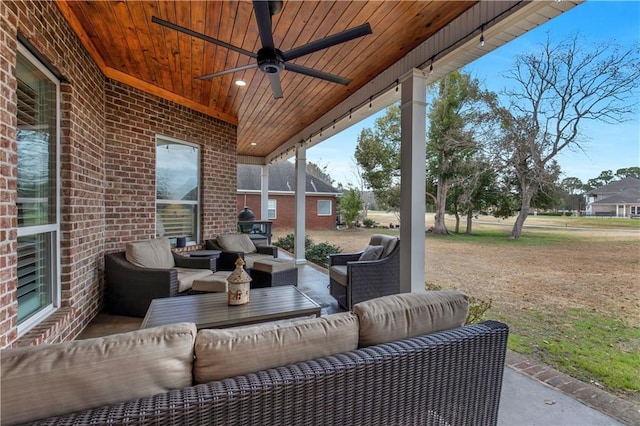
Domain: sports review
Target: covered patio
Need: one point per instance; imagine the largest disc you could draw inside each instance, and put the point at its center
(105, 87)
(123, 86)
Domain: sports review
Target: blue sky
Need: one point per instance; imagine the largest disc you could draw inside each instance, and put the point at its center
(605, 147)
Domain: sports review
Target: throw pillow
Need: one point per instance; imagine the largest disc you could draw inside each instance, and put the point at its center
(49, 380)
(155, 254)
(371, 253)
(401, 316)
(222, 353)
(236, 243)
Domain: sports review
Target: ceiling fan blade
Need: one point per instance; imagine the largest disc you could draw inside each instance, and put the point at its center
(276, 87)
(329, 41)
(201, 36)
(317, 74)
(229, 71)
(263, 17)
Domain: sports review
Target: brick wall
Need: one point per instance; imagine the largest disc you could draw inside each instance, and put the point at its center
(133, 120)
(286, 209)
(107, 155)
(8, 175)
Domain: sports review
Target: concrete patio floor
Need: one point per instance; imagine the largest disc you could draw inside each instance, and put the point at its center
(532, 393)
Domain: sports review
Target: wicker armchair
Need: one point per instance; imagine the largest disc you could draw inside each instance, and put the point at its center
(352, 280)
(130, 288)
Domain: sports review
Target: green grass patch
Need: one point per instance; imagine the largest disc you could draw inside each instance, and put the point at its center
(586, 345)
(492, 236)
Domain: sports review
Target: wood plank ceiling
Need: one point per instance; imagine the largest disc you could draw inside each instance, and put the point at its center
(129, 48)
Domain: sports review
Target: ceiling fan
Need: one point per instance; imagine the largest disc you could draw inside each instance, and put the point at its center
(271, 60)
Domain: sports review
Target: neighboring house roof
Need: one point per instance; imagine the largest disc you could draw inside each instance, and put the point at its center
(623, 191)
(629, 196)
(617, 186)
(282, 178)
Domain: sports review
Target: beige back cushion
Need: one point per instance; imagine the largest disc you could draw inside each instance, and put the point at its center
(154, 253)
(400, 316)
(48, 380)
(236, 242)
(388, 243)
(228, 353)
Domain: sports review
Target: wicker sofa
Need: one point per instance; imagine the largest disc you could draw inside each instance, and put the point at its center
(398, 360)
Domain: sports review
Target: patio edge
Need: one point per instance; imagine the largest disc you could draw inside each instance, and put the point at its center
(620, 409)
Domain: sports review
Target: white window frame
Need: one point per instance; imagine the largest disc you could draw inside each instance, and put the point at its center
(330, 207)
(272, 204)
(53, 228)
(196, 202)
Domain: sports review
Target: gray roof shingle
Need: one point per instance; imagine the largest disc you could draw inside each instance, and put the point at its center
(282, 178)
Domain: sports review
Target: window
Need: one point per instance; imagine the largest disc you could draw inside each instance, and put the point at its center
(38, 116)
(324, 207)
(635, 210)
(177, 189)
(272, 209)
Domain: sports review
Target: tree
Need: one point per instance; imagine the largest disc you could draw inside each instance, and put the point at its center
(555, 91)
(319, 171)
(451, 138)
(378, 154)
(605, 177)
(350, 205)
(628, 172)
(574, 188)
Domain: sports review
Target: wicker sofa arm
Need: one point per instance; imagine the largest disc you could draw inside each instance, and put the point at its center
(130, 288)
(343, 258)
(270, 250)
(451, 377)
(227, 259)
(194, 262)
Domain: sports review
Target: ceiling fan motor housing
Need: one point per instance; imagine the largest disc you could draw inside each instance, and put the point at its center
(270, 61)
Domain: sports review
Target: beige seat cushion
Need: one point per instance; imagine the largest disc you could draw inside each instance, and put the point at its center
(400, 316)
(339, 273)
(236, 242)
(215, 283)
(388, 243)
(273, 265)
(186, 277)
(251, 258)
(154, 253)
(229, 353)
(48, 380)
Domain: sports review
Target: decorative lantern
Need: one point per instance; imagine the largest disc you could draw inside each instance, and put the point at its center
(238, 285)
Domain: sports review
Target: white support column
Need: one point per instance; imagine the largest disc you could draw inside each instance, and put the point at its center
(301, 186)
(264, 194)
(412, 195)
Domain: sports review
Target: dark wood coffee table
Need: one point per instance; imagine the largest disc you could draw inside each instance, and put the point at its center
(211, 310)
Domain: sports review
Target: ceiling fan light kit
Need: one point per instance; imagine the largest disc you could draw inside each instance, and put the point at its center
(271, 60)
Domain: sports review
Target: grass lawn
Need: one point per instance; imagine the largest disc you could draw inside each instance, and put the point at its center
(568, 288)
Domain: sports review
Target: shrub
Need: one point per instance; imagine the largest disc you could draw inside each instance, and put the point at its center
(477, 310)
(477, 307)
(316, 253)
(368, 223)
(288, 242)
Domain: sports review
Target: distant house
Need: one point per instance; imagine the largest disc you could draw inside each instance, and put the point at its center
(617, 199)
(321, 197)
